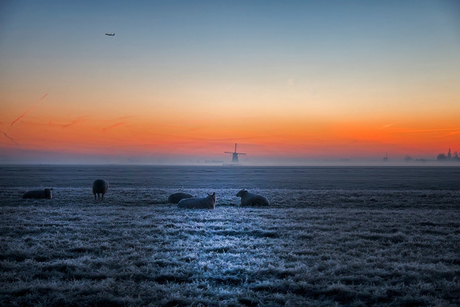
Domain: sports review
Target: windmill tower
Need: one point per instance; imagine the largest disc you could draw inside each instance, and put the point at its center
(235, 155)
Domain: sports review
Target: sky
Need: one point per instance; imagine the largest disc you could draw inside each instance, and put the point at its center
(183, 81)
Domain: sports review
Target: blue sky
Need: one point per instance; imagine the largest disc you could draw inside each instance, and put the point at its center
(317, 65)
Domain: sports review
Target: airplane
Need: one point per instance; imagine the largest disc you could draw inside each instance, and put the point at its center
(110, 34)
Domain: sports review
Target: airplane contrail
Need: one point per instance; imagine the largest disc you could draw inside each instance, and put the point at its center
(113, 126)
(27, 111)
(74, 122)
(386, 126)
(423, 130)
(452, 133)
(9, 138)
(42, 97)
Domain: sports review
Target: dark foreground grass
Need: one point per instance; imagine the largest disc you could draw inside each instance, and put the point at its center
(133, 250)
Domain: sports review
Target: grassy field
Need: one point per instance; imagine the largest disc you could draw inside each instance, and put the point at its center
(320, 248)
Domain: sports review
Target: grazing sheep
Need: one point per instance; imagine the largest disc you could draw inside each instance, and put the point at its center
(249, 199)
(177, 197)
(37, 194)
(208, 202)
(100, 187)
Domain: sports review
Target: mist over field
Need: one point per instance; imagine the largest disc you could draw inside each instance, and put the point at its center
(345, 236)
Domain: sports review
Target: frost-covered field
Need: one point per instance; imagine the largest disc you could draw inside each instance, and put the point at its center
(315, 247)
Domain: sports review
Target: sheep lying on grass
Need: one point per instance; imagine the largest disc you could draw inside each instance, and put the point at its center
(249, 199)
(100, 187)
(37, 194)
(208, 202)
(177, 197)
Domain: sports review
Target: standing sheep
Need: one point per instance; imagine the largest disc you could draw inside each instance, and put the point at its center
(177, 197)
(38, 194)
(100, 186)
(249, 199)
(208, 202)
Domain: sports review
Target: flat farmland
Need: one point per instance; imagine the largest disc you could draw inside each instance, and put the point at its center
(309, 248)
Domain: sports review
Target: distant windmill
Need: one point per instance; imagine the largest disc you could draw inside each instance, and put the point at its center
(235, 155)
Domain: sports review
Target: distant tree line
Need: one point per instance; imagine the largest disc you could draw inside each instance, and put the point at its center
(448, 157)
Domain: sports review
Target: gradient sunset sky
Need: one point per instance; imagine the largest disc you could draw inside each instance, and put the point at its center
(183, 81)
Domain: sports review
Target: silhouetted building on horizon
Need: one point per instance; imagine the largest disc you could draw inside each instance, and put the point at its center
(235, 155)
(448, 157)
(408, 158)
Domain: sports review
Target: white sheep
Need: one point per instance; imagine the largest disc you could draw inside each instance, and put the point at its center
(208, 202)
(37, 194)
(249, 199)
(100, 187)
(177, 197)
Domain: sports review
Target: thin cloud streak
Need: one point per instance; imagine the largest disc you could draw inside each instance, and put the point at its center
(55, 124)
(11, 139)
(27, 111)
(125, 117)
(452, 133)
(19, 117)
(121, 118)
(422, 130)
(74, 122)
(386, 126)
(113, 126)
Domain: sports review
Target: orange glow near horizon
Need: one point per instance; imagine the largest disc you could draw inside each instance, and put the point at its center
(286, 81)
(208, 136)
